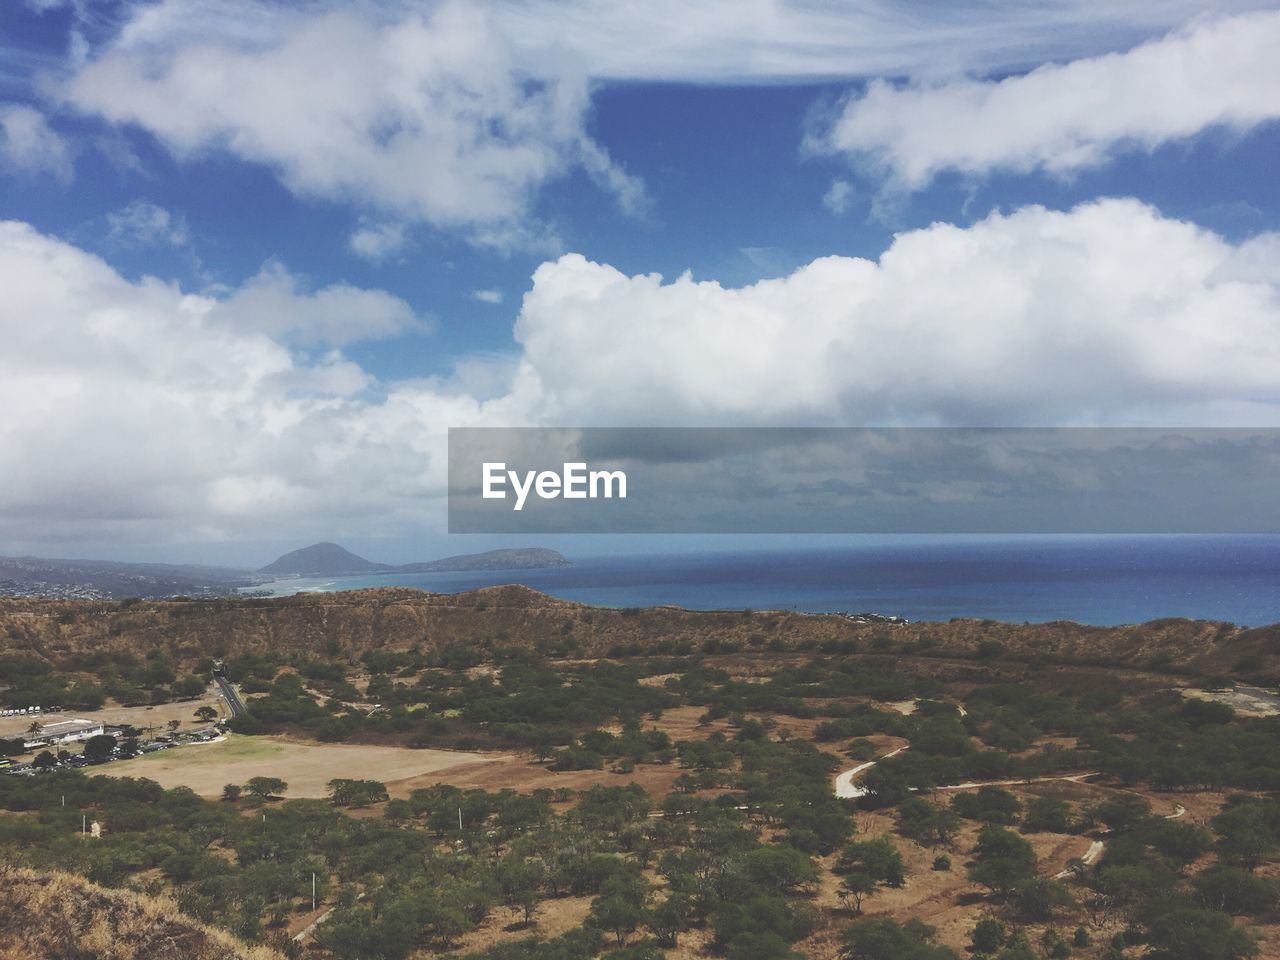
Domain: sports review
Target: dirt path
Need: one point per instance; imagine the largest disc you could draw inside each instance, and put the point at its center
(1090, 855)
(846, 789)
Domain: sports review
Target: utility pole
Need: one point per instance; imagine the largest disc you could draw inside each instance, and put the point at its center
(313, 891)
(459, 818)
(84, 824)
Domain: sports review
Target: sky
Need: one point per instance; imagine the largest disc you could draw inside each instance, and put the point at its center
(256, 258)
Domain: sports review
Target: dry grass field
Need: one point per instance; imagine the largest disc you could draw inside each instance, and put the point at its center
(306, 767)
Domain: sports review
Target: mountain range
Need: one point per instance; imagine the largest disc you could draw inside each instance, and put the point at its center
(107, 580)
(332, 560)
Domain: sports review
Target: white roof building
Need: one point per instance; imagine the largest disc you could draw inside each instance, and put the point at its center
(64, 731)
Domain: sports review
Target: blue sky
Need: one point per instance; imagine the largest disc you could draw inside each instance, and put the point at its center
(291, 244)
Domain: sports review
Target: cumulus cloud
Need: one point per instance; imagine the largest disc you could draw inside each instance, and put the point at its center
(1064, 118)
(487, 296)
(1107, 312)
(29, 145)
(426, 119)
(147, 413)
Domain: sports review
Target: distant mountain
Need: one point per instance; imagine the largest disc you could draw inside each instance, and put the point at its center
(115, 580)
(331, 560)
(516, 558)
(322, 560)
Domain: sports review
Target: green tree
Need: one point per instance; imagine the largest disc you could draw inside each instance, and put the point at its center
(1047, 814)
(263, 788)
(877, 858)
(988, 936)
(922, 821)
(1247, 834)
(1178, 932)
(988, 805)
(356, 793)
(99, 747)
(622, 903)
(668, 919)
(883, 938)
(779, 869)
(1001, 860)
(1235, 891)
(854, 888)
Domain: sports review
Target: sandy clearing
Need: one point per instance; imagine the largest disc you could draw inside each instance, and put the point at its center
(306, 767)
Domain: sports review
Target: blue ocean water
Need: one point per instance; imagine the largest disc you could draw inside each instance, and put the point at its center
(1095, 580)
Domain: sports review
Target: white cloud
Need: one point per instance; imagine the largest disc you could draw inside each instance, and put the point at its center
(487, 296)
(1257, 260)
(728, 41)
(460, 118)
(1106, 312)
(732, 41)
(1064, 118)
(29, 145)
(145, 224)
(839, 197)
(424, 119)
(273, 303)
(378, 241)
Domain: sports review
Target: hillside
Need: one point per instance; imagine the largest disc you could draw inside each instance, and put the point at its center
(79, 919)
(348, 623)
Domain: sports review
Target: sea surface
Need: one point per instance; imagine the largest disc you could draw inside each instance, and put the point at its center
(1095, 580)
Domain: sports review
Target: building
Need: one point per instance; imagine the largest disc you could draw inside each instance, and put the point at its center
(64, 731)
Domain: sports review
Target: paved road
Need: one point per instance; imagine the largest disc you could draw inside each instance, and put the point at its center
(230, 695)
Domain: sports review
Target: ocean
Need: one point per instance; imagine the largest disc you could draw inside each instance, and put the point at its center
(1095, 580)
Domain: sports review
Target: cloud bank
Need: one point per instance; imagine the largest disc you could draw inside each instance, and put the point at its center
(1106, 311)
(146, 412)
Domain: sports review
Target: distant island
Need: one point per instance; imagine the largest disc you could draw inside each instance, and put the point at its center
(332, 560)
